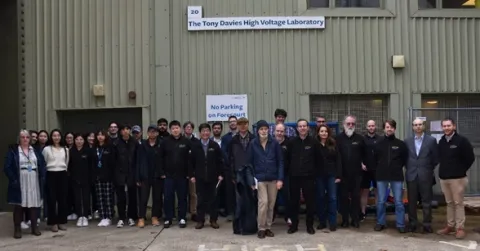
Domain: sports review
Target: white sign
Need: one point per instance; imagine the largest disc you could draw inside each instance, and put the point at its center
(255, 23)
(194, 12)
(424, 119)
(220, 107)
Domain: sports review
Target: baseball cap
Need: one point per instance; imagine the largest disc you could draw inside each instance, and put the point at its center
(136, 128)
(152, 127)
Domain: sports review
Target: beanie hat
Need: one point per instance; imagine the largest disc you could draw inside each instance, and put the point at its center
(262, 123)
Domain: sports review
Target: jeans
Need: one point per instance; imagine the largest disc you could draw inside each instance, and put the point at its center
(174, 186)
(397, 189)
(327, 200)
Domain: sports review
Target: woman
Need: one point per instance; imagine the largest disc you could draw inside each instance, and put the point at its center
(25, 170)
(70, 195)
(33, 137)
(91, 144)
(328, 179)
(56, 156)
(102, 173)
(79, 168)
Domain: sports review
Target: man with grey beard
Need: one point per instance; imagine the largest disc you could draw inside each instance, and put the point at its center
(352, 150)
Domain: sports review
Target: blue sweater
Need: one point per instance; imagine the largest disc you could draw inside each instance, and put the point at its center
(268, 162)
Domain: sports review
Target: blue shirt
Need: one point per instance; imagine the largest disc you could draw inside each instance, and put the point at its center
(289, 131)
(418, 143)
(205, 145)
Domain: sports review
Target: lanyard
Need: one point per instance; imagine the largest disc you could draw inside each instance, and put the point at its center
(99, 154)
(27, 156)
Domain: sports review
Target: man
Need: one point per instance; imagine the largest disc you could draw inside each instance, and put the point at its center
(352, 150)
(368, 174)
(391, 155)
(217, 129)
(422, 160)
(228, 187)
(456, 157)
(192, 193)
(304, 163)
(176, 166)
(266, 157)
(137, 133)
(148, 177)
(320, 120)
(280, 116)
(162, 125)
(125, 177)
(283, 193)
(113, 132)
(208, 173)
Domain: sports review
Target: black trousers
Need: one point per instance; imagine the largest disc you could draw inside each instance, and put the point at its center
(93, 195)
(307, 185)
(424, 188)
(156, 185)
(82, 198)
(71, 197)
(350, 198)
(122, 202)
(57, 185)
(230, 195)
(207, 200)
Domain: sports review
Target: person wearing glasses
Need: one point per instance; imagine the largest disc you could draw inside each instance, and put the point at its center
(351, 146)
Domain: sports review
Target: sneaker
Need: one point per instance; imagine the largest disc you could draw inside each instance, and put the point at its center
(85, 222)
(120, 224)
(74, 217)
(446, 230)
(289, 222)
(155, 222)
(24, 225)
(29, 223)
(131, 222)
(108, 222)
(460, 234)
(96, 215)
(80, 222)
(38, 222)
(69, 217)
(167, 224)
(182, 223)
(141, 223)
(102, 223)
(89, 217)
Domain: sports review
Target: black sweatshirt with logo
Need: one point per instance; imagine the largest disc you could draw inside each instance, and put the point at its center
(456, 157)
(391, 155)
(176, 157)
(352, 152)
(303, 157)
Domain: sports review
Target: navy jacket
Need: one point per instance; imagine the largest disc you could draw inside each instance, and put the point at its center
(245, 221)
(148, 161)
(226, 139)
(12, 171)
(268, 162)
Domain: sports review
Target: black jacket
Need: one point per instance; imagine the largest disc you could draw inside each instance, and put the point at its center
(104, 171)
(284, 145)
(210, 165)
(303, 157)
(175, 157)
(370, 143)
(245, 221)
(352, 150)
(456, 157)
(391, 155)
(163, 135)
(125, 161)
(148, 161)
(80, 165)
(332, 162)
(237, 154)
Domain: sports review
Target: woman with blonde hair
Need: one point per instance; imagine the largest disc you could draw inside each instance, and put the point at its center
(25, 170)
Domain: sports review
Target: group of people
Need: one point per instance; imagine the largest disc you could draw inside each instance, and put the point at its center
(242, 171)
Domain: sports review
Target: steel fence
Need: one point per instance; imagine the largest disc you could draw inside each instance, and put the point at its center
(467, 121)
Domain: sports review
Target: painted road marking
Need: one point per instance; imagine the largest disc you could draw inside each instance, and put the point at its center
(472, 245)
(298, 247)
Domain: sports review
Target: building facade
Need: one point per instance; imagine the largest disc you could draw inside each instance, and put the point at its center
(140, 57)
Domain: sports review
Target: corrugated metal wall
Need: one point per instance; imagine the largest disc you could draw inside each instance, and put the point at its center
(72, 45)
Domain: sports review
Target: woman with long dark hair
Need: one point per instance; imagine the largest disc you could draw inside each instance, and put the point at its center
(102, 176)
(42, 140)
(328, 179)
(56, 156)
(25, 170)
(69, 139)
(93, 212)
(69, 143)
(79, 168)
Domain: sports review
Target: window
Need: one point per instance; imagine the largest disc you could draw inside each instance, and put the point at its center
(365, 107)
(344, 3)
(447, 4)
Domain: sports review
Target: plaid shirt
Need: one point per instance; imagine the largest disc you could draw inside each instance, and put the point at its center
(289, 131)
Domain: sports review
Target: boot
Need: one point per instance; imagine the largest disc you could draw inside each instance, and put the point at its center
(35, 230)
(17, 234)
(34, 223)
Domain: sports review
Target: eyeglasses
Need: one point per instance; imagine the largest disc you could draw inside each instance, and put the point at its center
(417, 124)
(350, 124)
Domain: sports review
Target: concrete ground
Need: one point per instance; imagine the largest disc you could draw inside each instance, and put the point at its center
(174, 238)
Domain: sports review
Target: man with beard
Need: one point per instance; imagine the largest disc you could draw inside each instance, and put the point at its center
(192, 191)
(113, 132)
(456, 157)
(125, 177)
(162, 125)
(266, 157)
(352, 150)
(304, 163)
(280, 116)
(217, 128)
(229, 188)
(137, 133)
(368, 174)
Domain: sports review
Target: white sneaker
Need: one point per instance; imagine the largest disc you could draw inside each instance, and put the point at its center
(89, 217)
(96, 215)
(120, 224)
(102, 223)
(108, 222)
(38, 222)
(131, 222)
(24, 225)
(74, 217)
(85, 222)
(80, 222)
(70, 217)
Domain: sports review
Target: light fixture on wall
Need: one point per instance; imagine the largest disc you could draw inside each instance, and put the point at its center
(432, 102)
